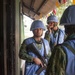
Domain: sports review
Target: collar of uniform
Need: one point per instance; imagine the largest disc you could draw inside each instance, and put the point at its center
(38, 42)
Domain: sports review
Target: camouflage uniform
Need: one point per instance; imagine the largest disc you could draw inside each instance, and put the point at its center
(62, 60)
(55, 67)
(55, 37)
(30, 66)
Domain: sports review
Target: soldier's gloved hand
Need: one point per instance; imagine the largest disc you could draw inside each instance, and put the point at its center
(38, 61)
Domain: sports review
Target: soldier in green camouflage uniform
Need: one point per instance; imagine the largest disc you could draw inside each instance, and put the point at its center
(56, 67)
(54, 34)
(62, 60)
(33, 61)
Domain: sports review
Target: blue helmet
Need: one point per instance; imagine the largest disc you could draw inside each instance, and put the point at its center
(52, 18)
(37, 24)
(68, 17)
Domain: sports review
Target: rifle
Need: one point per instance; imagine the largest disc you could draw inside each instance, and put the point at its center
(31, 48)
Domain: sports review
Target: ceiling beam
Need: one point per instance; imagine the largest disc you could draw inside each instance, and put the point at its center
(31, 6)
(32, 3)
(31, 9)
(44, 1)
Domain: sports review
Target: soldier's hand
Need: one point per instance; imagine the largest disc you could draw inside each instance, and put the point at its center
(49, 29)
(38, 61)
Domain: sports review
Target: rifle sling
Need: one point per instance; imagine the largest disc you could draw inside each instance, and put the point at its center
(58, 36)
(32, 48)
(40, 70)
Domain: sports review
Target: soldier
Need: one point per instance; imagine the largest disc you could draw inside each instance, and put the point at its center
(54, 35)
(33, 61)
(62, 61)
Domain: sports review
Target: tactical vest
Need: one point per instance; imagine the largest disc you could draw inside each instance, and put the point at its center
(31, 67)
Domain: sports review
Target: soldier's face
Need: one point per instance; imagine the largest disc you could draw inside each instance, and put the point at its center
(38, 32)
(52, 25)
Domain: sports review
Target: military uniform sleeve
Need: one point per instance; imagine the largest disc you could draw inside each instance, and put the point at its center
(49, 54)
(47, 36)
(57, 62)
(23, 53)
